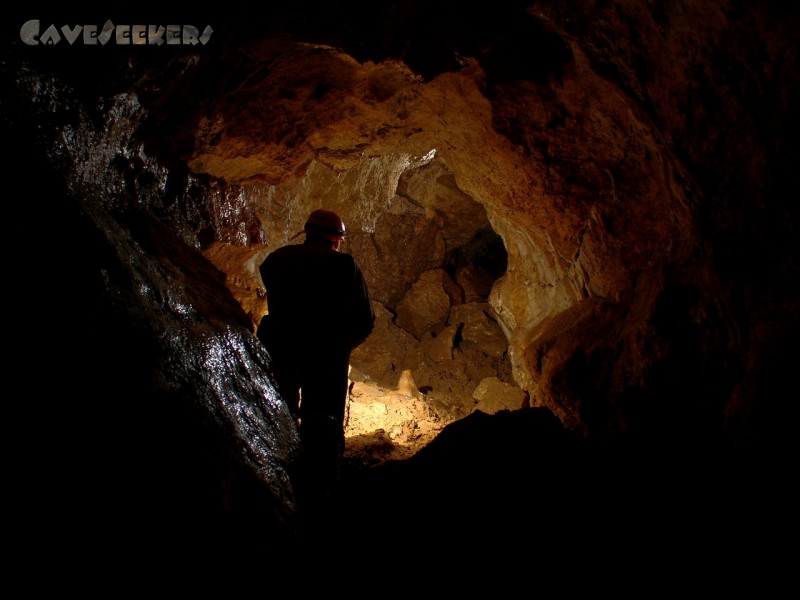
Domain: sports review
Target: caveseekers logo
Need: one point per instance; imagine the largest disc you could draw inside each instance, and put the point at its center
(122, 35)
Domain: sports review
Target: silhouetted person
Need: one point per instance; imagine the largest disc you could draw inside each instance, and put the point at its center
(319, 310)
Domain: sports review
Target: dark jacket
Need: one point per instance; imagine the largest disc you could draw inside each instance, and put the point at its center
(316, 298)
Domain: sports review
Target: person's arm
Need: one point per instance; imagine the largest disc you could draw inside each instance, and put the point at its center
(362, 317)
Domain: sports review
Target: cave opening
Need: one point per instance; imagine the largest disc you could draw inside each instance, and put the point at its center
(485, 253)
(431, 259)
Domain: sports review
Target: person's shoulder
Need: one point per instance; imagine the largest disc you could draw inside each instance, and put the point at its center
(346, 258)
(286, 250)
(279, 256)
(289, 248)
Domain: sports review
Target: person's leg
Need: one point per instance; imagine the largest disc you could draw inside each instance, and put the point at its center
(323, 446)
(324, 382)
(324, 394)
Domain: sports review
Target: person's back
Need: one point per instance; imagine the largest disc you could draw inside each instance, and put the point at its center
(316, 295)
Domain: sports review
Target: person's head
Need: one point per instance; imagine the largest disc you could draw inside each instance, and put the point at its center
(325, 226)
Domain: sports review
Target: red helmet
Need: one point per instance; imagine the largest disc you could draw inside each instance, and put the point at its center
(326, 224)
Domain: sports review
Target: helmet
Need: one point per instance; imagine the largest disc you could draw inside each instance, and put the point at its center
(326, 224)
